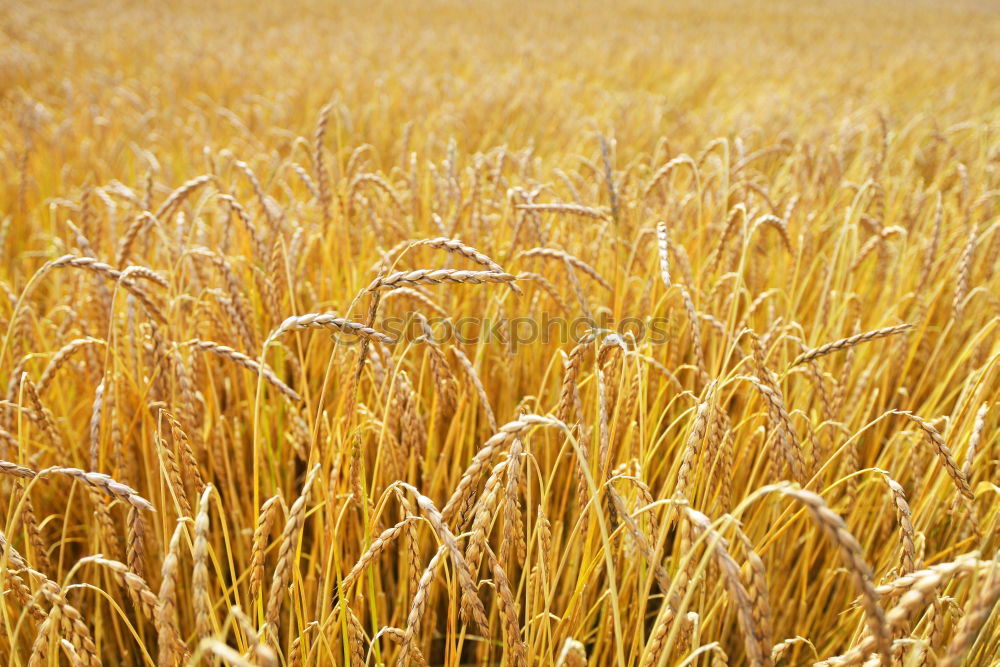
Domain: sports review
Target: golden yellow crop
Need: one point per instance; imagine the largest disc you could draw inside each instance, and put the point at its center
(632, 334)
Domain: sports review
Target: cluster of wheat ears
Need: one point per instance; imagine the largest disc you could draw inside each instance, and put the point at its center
(213, 450)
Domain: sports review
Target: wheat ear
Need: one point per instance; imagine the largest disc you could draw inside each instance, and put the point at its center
(287, 550)
(850, 341)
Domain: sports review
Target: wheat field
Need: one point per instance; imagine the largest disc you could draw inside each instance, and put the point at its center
(628, 334)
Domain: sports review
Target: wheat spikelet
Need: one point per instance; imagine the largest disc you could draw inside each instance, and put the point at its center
(355, 637)
(14, 470)
(961, 566)
(322, 181)
(777, 224)
(854, 560)
(46, 420)
(930, 253)
(135, 545)
(295, 652)
(964, 270)
(658, 635)
(455, 246)
(907, 556)
(142, 272)
(40, 648)
(397, 635)
(840, 391)
(489, 448)
(877, 241)
(261, 653)
(915, 600)
(514, 647)
(358, 496)
(386, 256)
(121, 277)
(177, 197)
(665, 170)
(943, 452)
(974, 440)
(790, 444)
(72, 624)
(95, 425)
(110, 544)
(571, 209)
(782, 647)
(199, 578)
(513, 518)
(102, 482)
(328, 321)
(663, 244)
(438, 277)
(140, 223)
(975, 618)
(752, 634)
(380, 183)
(60, 358)
(259, 246)
(576, 263)
(571, 373)
(13, 564)
(526, 197)
(137, 587)
(643, 545)
(258, 191)
(175, 479)
(720, 453)
(306, 179)
(484, 400)
(241, 359)
(757, 591)
(737, 215)
(170, 644)
(223, 653)
(414, 437)
(472, 606)
(384, 540)
(692, 447)
(286, 552)
(848, 342)
(265, 522)
(412, 544)
(241, 310)
(699, 351)
(444, 379)
(183, 444)
(29, 520)
(36, 417)
(581, 297)
(485, 510)
(418, 607)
